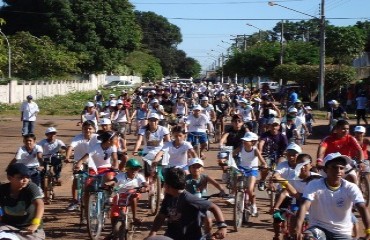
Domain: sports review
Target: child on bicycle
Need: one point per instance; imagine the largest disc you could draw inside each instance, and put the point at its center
(124, 182)
(196, 183)
(250, 157)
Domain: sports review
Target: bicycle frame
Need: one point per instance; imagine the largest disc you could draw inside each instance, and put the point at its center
(155, 186)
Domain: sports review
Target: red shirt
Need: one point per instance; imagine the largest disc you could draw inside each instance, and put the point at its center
(346, 145)
(364, 150)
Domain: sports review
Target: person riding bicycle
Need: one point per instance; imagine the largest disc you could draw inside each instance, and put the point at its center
(268, 111)
(120, 117)
(178, 150)
(335, 113)
(364, 142)
(250, 157)
(89, 113)
(98, 100)
(246, 111)
(184, 210)
(51, 146)
(80, 146)
(155, 107)
(198, 124)
(330, 201)
(272, 145)
(124, 181)
(197, 183)
(222, 109)
(30, 155)
(208, 109)
(22, 206)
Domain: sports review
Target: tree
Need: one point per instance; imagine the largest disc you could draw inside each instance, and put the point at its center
(189, 68)
(365, 26)
(104, 30)
(144, 64)
(344, 43)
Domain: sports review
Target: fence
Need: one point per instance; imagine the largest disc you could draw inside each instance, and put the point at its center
(17, 91)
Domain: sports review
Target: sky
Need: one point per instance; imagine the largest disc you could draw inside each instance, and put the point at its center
(205, 40)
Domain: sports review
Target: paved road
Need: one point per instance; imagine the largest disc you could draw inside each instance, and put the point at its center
(61, 224)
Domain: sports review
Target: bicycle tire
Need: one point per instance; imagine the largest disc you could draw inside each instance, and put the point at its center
(48, 189)
(238, 210)
(120, 230)
(94, 215)
(155, 198)
(364, 185)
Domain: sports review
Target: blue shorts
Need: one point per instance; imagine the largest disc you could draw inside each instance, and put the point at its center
(193, 135)
(249, 172)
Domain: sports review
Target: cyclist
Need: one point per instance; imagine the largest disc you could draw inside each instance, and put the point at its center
(184, 210)
(329, 201)
(22, 204)
(154, 107)
(198, 124)
(129, 179)
(98, 100)
(310, 119)
(120, 117)
(364, 142)
(272, 145)
(90, 113)
(197, 183)
(80, 146)
(268, 111)
(250, 157)
(167, 103)
(178, 150)
(246, 111)
(30, 155)
(140, 114)
(361, 103)
(29, 110)
(335, 113)
(222, 109)
(208, 109)
(51, 145)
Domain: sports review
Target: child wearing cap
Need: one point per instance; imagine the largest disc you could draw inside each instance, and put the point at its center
(310, 118)
(120, 117)
(90, 113)
(196, 183)
(140, 115)
(22, 205)
(123, 183)
(364, 142)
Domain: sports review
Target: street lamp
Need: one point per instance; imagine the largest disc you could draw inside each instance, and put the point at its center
(259, 29)
(9, 56)
(321, 84)
(221, 64)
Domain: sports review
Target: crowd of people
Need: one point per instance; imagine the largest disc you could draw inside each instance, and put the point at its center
(173, 124)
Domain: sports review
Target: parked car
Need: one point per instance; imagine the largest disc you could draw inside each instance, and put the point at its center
(273, 86)
(120, 84)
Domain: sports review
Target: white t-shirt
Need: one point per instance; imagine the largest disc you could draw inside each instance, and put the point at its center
(332, 210)
(198, 124)
(299, 185)
(50, 148)
(124, 183)
(28, 158)
(248, 159)
(153, 110)
(245, 112)
(29, 110)
(285, 171)
(101, 158)
(81, 145)
(120, 116)
(178, 156)
(207, 110)
(153, 141)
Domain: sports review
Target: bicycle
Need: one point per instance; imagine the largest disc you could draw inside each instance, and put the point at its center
(124, 225)
(364, 180)
(48, 182)
(242, 208)
(97, 208)
(286, 215)
(81, 177)
(196, 144)
(155, 185)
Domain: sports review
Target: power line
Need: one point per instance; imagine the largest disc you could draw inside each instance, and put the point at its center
(263, 19)
(210, 3)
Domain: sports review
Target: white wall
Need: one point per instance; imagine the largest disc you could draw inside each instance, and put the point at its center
(17, 91)
(133, 79)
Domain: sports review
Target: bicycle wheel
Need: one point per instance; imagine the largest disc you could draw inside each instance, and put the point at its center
(155, 197)
(120, 230)
(238, 210)
(364, 185)
(94, 216)
(48, 189)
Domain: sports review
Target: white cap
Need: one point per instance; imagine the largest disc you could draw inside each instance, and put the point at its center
(243, 100)
(333, 102)
(197, 107)
(222, 93)
(112, 95)
(272, 112)
(297, 101)
(295, 147)
(308, 108)
(222, 155)
(153, 115)
(273, 120)
(119, 101)
(292, 110)
(196, 161)
(98, 91)
(250, 136)
(50, 130)
(89, 104)
(336, 155)
(152, 91)
(360, 129)
(105, 121)
(204, 99)
(123, 91)
(154, 101)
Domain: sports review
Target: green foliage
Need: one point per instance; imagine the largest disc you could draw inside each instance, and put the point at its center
(143, 64)
(344, 43)
(189, 67)
(301, 53)
(40, 58)
(365, 27)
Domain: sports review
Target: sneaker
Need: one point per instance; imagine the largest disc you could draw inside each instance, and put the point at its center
(254, 212)
(231, 201)
(261, 186)
(72, 206)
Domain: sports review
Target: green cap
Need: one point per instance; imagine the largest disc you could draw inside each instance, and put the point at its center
(133, 163)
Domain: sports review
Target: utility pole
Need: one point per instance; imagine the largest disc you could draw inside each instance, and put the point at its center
(245, 42)
(321, 86)
(281, 42)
